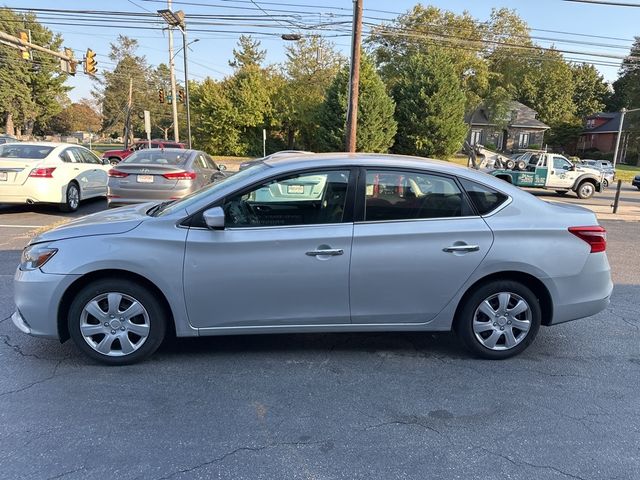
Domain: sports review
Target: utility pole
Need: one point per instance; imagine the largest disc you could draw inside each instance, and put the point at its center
(623, 112)
(183, 27)
(172, 79)
(354, 78)
(127, 122)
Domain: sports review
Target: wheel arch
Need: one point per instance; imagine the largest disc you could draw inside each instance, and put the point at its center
(535, 285)
(587, 177)
(78, 284)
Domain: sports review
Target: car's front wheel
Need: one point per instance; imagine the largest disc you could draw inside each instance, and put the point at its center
(498, 320)
(586, 190)
(117, 322)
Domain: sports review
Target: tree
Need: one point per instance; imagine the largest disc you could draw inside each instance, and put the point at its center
(376, 126)
(626, 89)
(591, 91)
(78, 116)
(311, 65)
(248, 53)
(113, 89)
(31, 91)
(422, 29)
(430, 106)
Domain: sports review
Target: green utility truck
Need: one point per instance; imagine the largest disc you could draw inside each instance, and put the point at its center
(553, 172)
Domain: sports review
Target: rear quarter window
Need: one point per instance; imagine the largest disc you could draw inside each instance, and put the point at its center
(484, 199)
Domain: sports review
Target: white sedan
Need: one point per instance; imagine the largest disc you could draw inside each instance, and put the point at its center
(38, 172)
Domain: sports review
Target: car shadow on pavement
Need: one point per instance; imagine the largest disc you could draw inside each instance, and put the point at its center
(86, 207)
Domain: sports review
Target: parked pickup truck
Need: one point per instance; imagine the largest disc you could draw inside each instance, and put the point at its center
(116, 156)
(554, 172)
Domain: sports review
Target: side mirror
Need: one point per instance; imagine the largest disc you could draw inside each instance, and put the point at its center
(222, 167)
(214, 218)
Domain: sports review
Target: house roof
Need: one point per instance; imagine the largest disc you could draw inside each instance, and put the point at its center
(611, 126)
(479, 117)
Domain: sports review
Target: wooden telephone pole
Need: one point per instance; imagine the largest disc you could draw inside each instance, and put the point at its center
(354, 78)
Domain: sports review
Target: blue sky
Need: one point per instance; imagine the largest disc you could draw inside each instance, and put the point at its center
(210, 54)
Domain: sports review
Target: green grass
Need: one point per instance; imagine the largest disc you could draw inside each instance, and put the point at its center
(626, 172)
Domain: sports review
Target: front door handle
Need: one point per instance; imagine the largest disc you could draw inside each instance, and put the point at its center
(462, 248)
(332, 252)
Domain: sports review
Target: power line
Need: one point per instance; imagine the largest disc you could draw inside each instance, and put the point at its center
(603, 2)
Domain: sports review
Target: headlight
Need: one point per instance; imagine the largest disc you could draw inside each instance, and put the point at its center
(35, 256)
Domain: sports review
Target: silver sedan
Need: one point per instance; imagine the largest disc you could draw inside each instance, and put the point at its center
(161, 174)
(329, 243)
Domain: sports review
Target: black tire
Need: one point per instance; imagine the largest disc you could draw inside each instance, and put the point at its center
(585, 190)
(510, 164)
(72, 197)
(521, 164)
(562, 192)
(114, 160)
(156, 321)
(605, 183)
(464, 321)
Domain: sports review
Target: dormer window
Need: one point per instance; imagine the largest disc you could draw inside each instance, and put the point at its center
(591, 123)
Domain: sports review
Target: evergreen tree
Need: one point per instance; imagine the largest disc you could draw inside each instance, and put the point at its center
(376, 126)
(430, 106)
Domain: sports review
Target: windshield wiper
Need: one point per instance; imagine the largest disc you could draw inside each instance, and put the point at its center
(157, 209)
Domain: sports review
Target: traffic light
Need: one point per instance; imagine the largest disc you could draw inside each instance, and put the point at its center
(181, 96)
(90, 62)
(24, 36)
(161, 95)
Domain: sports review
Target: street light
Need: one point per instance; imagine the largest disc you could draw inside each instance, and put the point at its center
(176, 19)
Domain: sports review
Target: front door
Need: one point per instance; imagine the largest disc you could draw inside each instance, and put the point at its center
(282, 258)
(418, 244)
(561, 174)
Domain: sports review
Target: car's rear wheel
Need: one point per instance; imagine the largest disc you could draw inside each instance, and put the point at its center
(114, 160)
(586, 190)
(117, 322)
(72, 198)
(500, 319)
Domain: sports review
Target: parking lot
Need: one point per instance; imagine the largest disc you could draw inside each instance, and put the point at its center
(328, 406)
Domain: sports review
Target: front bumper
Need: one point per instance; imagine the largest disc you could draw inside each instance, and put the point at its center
(37, 296)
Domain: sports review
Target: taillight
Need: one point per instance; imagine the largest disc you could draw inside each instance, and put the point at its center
(180, 176)
(117, 173)
(596, 237)
(42, 172)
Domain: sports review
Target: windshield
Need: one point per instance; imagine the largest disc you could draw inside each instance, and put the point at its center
(157, 157)
(26, 152)
(209, 190)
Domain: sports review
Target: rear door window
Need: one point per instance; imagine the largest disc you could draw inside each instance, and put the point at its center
(398, 195)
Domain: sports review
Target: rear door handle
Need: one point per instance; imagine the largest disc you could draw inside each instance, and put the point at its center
(462, 248)
(329, 252)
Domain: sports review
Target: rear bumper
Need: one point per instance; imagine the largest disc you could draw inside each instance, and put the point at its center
(34, 190)
(585, 294)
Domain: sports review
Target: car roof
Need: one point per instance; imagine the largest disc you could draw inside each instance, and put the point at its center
(50, 144)
(363, 159)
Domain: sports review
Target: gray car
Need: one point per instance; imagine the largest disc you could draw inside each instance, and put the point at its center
(329, 243)
(161, 174)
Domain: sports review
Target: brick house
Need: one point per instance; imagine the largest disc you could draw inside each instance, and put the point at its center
(523, 129)
(600, 133)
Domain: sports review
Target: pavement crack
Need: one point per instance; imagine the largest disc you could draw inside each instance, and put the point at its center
(519, 462)
(6, 339)
(64, 474)
(37, 382)
(5, 319)
(238, 450)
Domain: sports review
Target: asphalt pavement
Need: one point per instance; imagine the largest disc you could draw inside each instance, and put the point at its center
(348, 406)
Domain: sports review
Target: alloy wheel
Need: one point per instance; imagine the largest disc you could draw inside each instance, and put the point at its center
(73, 197)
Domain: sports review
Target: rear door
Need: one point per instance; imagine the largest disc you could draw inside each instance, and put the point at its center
(91, 169)
(416, 243)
